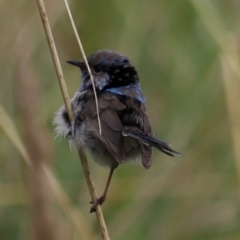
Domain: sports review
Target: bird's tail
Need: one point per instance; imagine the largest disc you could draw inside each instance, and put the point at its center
(149, 140)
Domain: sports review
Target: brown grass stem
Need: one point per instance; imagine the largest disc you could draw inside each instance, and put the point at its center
(232, 93)
(85, 59)
(62, 84)
(63, 199)
(11, 132)
(93, 194)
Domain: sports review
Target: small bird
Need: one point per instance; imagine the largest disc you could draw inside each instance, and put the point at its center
(126, 131)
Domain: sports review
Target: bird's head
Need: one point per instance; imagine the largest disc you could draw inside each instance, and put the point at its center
(109, 69)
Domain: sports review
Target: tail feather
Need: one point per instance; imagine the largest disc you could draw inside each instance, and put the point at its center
(149, 140)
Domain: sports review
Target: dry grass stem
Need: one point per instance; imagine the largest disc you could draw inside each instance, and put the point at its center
(49, 36)
(232, 92)
(9, 129)
(85, 59)
(93, 193)
(64, 201)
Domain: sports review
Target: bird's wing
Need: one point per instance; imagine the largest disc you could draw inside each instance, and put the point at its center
(111, 135)
(134, 118)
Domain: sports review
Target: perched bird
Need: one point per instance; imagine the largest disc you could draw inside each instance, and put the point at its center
(126, 130)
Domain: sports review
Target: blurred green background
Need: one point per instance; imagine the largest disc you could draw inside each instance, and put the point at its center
(187, 56)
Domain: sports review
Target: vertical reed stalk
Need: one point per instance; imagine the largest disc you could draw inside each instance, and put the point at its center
(62, 84)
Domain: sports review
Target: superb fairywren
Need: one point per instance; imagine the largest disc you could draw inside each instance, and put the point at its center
(126, 130)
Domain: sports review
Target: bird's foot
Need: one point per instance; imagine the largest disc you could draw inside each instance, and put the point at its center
(99, 201)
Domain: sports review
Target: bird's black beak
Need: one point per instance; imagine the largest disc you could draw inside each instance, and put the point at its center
(75, 63)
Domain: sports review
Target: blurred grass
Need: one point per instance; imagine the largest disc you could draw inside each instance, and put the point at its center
(177, 53)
